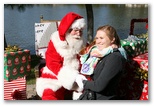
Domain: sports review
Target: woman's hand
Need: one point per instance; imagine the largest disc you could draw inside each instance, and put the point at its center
(96, 53)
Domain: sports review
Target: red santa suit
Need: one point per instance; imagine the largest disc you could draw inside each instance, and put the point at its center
(62, 64)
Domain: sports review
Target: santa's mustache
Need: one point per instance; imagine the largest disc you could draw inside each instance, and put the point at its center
(76, 36)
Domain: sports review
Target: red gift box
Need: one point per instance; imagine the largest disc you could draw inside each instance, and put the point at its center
(15, 90)
(144, 95)
(134, 86)
(142, 60)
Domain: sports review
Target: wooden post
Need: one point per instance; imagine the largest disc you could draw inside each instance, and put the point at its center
(90, 22)
(5, 43)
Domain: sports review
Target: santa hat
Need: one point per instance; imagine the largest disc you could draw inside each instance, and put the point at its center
(70, 20)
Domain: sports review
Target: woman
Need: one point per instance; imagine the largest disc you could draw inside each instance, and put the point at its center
(108, 70)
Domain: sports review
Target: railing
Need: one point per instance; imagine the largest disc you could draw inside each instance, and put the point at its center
(132, 24)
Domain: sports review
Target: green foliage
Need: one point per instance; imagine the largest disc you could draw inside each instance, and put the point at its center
(31, 78)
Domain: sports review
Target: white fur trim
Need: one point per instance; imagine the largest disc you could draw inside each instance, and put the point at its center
(62, 47)
(47, 71)
(74, 86)
(67, 76)
(43, 83)
(57, 42)
(79, 23)
(76, 95)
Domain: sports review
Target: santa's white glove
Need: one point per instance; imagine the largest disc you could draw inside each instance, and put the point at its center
(79, 80)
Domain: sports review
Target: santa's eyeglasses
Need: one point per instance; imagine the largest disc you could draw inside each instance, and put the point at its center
(76, 30)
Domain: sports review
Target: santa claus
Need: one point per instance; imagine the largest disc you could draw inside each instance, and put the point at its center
(62, 61)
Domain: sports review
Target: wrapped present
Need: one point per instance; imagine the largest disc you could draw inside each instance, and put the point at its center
(15, 90)
(134, 86)
(134, 46)
(144, 95)
(140, 67)
(140, 63)
(16, 64)
(142, 60)
(142, 72)
(143, 35)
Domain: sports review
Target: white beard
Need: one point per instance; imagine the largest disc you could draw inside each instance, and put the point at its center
(75, 42)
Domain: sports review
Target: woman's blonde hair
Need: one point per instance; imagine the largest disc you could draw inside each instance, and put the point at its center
(111, 33)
